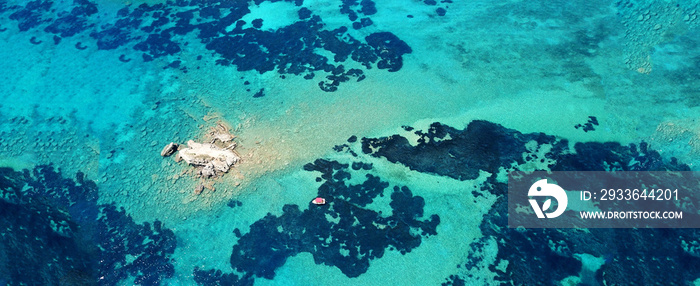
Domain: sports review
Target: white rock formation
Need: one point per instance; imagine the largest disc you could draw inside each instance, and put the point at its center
(223, 136)
(169, 149)
(209, 156)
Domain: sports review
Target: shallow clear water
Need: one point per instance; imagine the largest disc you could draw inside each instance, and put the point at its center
(339, 100)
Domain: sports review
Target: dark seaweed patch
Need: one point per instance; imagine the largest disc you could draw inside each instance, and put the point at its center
(30, 16)
(175, 64)
(234, 203)
(390, 50)
(441, 11)
(111, 38)
(354, 236)
(481, 146)
(454, 280)
(354, 9)
(155, 31)
(257, 23)
(213, 277)
(621, 248)
(589, 125)
(35, 41)
(65, 238)
(158, 45)
(69, 25)
(304, 13)
(546, 256)
(80, 46)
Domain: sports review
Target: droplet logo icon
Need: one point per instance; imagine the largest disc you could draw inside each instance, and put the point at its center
(542, 189)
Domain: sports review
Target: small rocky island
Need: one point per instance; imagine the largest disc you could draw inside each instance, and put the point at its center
(210, 159)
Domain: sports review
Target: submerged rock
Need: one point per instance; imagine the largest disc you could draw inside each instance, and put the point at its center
(208, 171)
(169, 149)
(209, 160)
(209, 156)
(198, 189)
(223, 137)
(221, 132)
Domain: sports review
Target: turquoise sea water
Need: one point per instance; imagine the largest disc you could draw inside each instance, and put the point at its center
(404, 115)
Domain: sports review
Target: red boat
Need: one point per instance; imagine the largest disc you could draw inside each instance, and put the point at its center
(319, 201)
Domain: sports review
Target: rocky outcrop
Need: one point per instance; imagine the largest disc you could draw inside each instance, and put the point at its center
(198, 189)
(210, 157)
(169, 149)
(209, 160)
(222, 136)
